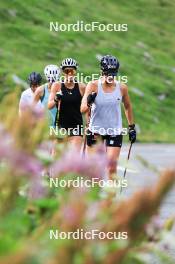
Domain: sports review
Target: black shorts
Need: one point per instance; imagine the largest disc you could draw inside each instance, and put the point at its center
(110, 141)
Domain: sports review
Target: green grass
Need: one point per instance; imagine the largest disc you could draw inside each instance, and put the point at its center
(28, 45)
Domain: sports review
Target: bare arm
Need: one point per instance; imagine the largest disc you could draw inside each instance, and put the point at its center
(82, 87)
(90, 88)
(55, 88)
(38, 94)
(127, 104)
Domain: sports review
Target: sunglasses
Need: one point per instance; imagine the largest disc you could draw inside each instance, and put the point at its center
(108, 73)
(69, 70)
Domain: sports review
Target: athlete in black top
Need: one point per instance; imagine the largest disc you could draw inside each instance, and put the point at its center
(67, 95)
(70, 116)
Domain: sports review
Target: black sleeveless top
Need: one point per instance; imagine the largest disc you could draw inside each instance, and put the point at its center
(69, 114)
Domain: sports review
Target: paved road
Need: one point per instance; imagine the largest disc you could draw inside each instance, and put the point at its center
(160, 156)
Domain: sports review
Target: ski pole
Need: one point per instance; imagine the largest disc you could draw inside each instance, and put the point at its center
(84, 146)
(85, 138)
(124, 175)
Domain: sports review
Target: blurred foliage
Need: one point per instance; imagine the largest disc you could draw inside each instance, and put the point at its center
(29, 208)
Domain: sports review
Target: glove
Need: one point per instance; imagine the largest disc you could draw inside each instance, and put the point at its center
(58, 97)
(91, 99)
(132, 133)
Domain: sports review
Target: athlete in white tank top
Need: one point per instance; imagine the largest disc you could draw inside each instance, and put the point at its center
(106, 112)
(106, 118)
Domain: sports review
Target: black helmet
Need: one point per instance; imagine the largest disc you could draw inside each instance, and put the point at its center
(109, 64)
(34, 78)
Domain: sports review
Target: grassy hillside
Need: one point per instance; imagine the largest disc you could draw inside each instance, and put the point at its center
(146, 51)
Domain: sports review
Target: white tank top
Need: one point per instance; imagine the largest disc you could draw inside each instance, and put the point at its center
(106, 118)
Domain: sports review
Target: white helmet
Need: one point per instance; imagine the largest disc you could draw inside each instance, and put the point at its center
(52, 73)
(69, 62)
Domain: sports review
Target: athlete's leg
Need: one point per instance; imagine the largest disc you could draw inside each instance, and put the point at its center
(91, 141)
(113, 154)
(53, 150)
(76, 141)
(113, 151)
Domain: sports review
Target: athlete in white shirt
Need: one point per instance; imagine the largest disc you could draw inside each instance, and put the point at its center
(27, 96)
(105, 97)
